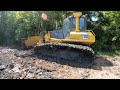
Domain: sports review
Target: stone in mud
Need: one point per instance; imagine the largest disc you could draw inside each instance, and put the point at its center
(16, 69)
(2, 67)
(11, 66)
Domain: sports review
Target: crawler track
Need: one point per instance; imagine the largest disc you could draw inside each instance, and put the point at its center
(77, 53)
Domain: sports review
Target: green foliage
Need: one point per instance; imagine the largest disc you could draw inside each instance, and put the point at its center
(15, 25)
(109, 53)
(107, 31)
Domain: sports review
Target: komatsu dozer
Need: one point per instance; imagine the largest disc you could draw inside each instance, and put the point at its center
(71, 43)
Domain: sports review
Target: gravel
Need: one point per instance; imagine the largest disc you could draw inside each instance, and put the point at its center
(19, 64)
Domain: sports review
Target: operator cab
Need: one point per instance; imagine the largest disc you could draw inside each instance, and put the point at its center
(69, 25)
(82, 23)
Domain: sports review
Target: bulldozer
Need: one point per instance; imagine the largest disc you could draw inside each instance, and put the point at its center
(70, 43)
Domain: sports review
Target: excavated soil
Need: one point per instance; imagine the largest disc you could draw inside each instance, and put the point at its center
(19, 64)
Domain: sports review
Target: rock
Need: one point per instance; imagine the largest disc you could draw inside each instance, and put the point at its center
(11, 66)
(84, 74)
(2, 67)
(23, 75)
(38, 71)
(16, 69)
(49, 69)
(32, 70)
(29, 76)
(16, 54)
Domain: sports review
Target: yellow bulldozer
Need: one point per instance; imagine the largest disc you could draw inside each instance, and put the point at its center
(71, 43)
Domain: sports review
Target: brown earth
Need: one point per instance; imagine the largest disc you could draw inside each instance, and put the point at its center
(18, 64)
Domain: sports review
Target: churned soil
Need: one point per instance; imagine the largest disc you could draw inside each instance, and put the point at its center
(19, 64)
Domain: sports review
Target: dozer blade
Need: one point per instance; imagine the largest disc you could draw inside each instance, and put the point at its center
(84, 55)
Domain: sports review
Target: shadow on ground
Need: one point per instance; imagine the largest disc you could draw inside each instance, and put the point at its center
(101, 62)
(96, 65)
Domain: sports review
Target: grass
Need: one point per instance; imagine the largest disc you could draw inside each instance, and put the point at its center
(110, 53)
